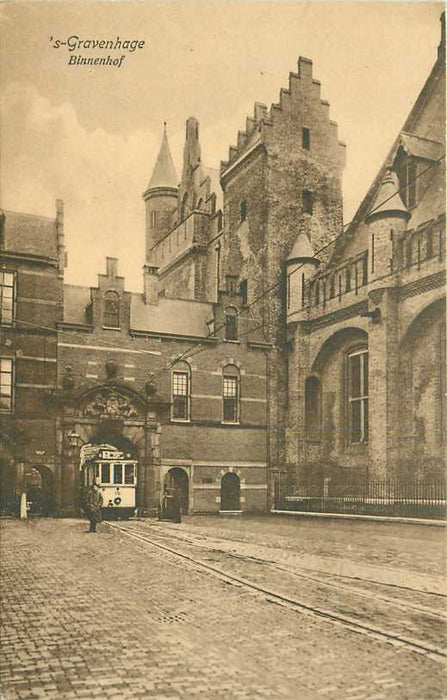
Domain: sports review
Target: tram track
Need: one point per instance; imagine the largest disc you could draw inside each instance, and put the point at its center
(291, 602)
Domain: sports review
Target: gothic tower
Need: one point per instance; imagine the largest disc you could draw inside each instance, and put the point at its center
(161, 197)
(282, 179)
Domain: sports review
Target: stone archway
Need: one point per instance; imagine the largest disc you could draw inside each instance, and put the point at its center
(177, 479)
(40, 494)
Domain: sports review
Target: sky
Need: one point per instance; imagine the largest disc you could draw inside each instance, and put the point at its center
(90, 135)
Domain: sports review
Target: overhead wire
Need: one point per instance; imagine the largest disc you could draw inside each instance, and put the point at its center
(212, 331)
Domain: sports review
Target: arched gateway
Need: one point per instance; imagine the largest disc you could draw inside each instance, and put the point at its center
(113, 415)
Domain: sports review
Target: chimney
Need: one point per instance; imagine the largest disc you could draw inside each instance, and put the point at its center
(150, 279)
(111, 267)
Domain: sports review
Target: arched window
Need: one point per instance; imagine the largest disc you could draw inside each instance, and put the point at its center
(358, 416)
(231, 394)
(111, 315)
(312, 408)
(243, 210)
(199, 205)
(231, 324)
(181, 392)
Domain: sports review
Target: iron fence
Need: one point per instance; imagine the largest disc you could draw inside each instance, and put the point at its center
(390, 497)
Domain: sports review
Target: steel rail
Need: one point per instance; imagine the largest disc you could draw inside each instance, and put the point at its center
(433, 652)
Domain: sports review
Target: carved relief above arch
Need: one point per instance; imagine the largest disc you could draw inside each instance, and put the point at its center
(110, 402)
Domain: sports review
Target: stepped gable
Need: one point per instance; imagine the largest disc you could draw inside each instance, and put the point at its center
(262, 117)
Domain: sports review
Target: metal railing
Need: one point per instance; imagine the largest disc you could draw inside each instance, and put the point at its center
(389, 497)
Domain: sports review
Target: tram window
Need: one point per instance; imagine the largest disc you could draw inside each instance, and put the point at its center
(128, 474)
(105, 473)
(117, 473)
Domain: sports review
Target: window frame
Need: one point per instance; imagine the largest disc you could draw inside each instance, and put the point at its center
(362, 400)
(231, 318)
(13, 287)
(307, 200)
(305, 138)
(243, 210)
(10, 384)
(186, 373)
(231, 372)
(106, 314)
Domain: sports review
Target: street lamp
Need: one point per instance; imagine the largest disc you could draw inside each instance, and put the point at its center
(73, 438)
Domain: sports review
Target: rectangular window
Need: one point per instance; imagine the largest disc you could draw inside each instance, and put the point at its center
(364, 270)
(6, 384)
(7, 297)
(243, 291)
(348, 278)
(305, 138)
(331, 287)
(153, 219)
(230, 399)
(358, 395)
(117, 473)
(129, 474)
(231, 332)
(408, 184)
(111, 318)
(308, 202)
(105, 473)
(411, 185)
(180, 396)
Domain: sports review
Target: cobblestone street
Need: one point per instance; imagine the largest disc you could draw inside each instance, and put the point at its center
(105, 616)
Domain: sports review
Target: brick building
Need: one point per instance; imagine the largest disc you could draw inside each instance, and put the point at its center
(31, 296)
(366, 324)
(271, 347)
(175, 376)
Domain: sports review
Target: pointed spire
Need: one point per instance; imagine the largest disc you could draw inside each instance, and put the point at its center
(302, 250)
(388, 200)
(164, 174)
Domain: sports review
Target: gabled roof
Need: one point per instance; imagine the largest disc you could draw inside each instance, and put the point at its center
(420, 147)
(412, 141)
(164, 174)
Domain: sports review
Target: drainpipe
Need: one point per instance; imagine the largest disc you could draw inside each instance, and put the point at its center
(268, 451)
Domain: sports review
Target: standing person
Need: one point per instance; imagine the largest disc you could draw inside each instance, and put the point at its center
(92, 502)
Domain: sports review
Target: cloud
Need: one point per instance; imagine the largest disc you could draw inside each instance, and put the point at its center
(47, 154)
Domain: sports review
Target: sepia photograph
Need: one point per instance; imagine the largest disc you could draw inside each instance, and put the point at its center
(222, 350)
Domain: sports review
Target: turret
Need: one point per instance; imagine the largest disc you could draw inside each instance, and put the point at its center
(386, 220)
(192, 174)
(300, 268)
(161, 196)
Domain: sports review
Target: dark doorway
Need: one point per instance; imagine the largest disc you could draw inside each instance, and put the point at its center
(7, 498)
(230, 492)
(40, 490)
(177, 479)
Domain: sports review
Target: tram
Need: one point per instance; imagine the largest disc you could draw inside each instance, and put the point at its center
(116, 475)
